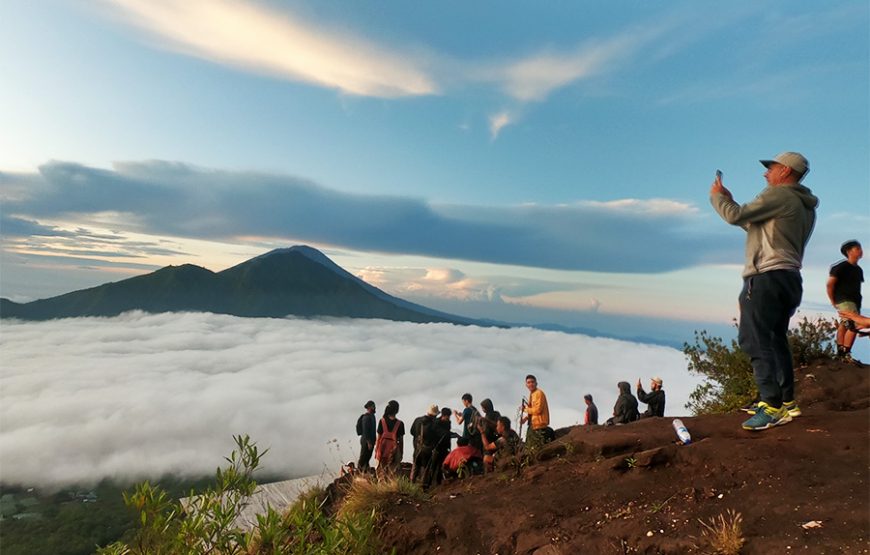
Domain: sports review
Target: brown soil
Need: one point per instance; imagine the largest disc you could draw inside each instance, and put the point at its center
(633, 489)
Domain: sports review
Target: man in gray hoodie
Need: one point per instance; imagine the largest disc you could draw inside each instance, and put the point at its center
(778, 224)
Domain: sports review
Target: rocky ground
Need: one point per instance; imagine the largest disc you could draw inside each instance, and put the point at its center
(633, 489)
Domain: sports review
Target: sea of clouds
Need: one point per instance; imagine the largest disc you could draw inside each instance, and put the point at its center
(140, 396)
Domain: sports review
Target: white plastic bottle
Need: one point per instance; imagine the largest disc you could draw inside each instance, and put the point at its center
(682, 432)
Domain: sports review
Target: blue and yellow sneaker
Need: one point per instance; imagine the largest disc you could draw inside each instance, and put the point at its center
(793, 409)
(767, 417)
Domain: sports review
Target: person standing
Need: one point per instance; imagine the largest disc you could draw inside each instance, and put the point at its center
(390, 443)
(655, 399)
(425, 436)
(844, 292)
(778, 225)
(591, 416)
(365, 428)
(537, 412)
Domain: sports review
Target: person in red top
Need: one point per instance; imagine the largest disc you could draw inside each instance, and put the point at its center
(389, 446)
(464, 454)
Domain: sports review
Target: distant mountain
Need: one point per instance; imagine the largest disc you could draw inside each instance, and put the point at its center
(299, 281)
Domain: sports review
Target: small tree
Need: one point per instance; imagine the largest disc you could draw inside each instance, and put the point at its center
(728, 379)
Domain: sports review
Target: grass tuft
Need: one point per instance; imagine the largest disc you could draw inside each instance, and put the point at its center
(369, 496)
(724, 534)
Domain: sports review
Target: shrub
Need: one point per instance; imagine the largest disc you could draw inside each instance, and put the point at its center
(728, 379)
(206, 523)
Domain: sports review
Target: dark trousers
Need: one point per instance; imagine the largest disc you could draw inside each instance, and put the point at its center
(767, 301)
(365, 454)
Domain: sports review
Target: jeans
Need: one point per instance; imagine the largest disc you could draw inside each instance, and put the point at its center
(767, 302)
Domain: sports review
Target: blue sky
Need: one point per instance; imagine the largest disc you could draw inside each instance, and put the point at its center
(537, 162)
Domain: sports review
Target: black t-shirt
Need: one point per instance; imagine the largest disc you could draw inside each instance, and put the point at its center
(849, 280)
(391, 425)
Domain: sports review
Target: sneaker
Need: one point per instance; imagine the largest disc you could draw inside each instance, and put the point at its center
(849, 359)
(793, 409)
(750, 407)
(766, 417)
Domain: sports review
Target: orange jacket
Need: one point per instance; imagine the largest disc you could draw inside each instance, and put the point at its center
(538, 410)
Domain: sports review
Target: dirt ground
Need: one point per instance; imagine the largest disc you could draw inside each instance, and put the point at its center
(633, 489)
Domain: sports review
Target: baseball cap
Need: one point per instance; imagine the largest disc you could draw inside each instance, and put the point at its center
(793, 160)
(433, 410)
(657, 380)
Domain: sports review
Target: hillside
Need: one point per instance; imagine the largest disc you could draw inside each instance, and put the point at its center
(632, 489)
(298, 281)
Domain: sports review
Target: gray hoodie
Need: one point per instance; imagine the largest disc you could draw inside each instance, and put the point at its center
(778, 224)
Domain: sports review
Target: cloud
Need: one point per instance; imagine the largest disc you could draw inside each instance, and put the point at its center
(497, 122)
(177, 200)
(534, 77)
(263, 40)
(139, 396)
(277, 42)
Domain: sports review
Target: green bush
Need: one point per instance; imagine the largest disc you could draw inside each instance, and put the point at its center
(206, 525)
(728, 379)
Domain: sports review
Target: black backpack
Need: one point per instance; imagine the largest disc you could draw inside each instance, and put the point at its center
(359, 424)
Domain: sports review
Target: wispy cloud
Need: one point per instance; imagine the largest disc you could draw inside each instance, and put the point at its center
(497, 122)
(264, 39)
(140, 396)
(175, 200)
(260, 39)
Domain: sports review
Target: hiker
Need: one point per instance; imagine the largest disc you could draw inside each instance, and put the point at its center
(655, 399)
(433, 472)
(490, 416)
(464, 456)
(488, 440)
(508, 441)
(591, 416)
(778, 225)
(625, 409)
(844, 292)
(468, 418)
(536, 412)
(365, 429)
(425, 436)
(389, 446)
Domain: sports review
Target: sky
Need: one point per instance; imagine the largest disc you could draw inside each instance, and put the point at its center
(142, 396)
(532, 163)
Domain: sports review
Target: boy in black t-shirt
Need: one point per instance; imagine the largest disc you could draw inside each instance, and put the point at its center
(844, 292)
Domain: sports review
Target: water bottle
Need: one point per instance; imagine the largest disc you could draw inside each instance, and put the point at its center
(682, 432)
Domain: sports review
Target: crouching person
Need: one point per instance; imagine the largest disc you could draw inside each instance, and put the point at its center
(462, 461)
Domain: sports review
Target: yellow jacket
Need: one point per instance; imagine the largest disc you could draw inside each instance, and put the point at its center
(538, 410)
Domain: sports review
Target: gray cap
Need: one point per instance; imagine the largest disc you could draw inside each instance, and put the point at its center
(793, 160)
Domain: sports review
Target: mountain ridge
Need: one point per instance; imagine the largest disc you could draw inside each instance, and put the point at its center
(297, 281)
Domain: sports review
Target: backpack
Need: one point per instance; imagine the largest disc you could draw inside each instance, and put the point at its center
(359, 424)
(385, 449)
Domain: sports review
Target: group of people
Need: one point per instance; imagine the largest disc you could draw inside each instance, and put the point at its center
(487, 437)
(778, 224)
(626, 408)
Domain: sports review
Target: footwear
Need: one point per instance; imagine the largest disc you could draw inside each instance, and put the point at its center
(767, 417)
(849, 359)
(793, 409)
(750, 407)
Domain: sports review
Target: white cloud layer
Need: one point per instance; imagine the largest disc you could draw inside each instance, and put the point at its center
(243, 34)
(139, 395)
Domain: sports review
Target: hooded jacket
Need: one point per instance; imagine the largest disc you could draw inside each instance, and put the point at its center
(778, 224)
(625, 409)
